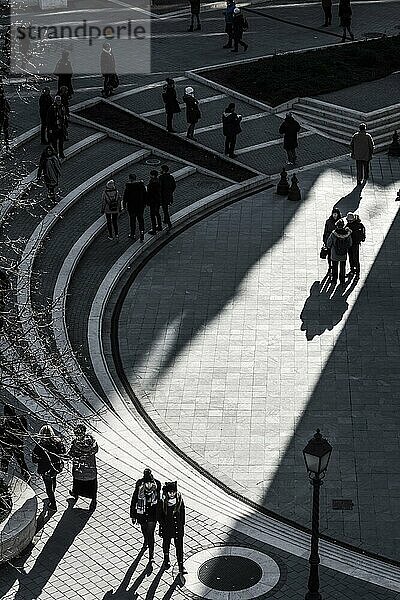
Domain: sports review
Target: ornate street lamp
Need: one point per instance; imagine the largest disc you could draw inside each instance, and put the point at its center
(316, 455)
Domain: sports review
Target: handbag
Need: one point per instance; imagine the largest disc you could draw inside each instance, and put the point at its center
(323, 252)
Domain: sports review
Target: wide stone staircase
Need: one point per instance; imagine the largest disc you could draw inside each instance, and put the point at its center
(339, 123)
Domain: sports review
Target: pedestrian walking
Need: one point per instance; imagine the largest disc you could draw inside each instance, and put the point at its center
(345, 15)
(290, 129)
(231, 128)
(108, 70)
(193, 114)
(228, 14)
(144, 505)
(170, 102)
(357, 237)
(195, 15)
(339, 243)
(56, 126)
(154, 202)
(362, 149)
(168, 187)
(64, 73)
(111, 207)
(48, 454)
(239, 25)
(13, 430)
(134, 202)
(5, 110)
(330, 225)
(327, 8)
(50, 168)
(84, 470)
(45, 101)
(171, 517)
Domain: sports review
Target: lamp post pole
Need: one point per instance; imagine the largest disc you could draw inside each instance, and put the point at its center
(313, 580)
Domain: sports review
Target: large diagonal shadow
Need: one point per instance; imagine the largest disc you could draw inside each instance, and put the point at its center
(347, 397)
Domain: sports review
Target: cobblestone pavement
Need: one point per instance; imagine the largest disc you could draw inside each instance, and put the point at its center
(247, 349)
(98, 556)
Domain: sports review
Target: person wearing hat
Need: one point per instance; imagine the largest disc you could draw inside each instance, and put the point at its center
(193, 114)
(111, 207)
(357, 236)
(238, 27)
(56, 125)
(230, 128)
(170, 102)
(171, 517)
(290, 128)
(330, 225)
(362, 149)
(144, 506)
(339, 243)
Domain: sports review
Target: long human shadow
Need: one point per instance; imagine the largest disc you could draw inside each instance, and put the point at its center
(337, 405)
(69, 526)
(355, 404)
(325, 306)
(123, 591)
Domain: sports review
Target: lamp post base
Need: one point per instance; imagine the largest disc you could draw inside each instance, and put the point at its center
(313, 596)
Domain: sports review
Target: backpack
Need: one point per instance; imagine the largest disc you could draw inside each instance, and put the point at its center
(113, 202)
(341, 245)
(245, 24)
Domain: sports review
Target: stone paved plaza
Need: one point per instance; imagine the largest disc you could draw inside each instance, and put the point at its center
(213, 352)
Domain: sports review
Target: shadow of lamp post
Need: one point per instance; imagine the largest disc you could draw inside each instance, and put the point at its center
(316, 455)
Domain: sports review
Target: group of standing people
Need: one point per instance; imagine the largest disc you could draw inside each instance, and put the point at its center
(345, 16)
(152, 504)
(159, 193)
(49, 454)
(342, 239)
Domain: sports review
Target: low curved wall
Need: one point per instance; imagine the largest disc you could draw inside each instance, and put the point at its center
(18, 529)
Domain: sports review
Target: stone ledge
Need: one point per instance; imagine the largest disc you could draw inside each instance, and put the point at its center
(17, 531)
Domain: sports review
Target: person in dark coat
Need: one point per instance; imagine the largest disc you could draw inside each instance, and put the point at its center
(13, 430)
(170, 102)
(195, 14)
(228, 14)
(56, 126)
(48, 454)
(64, 73)
(45, 101)
(339, 243)
(50, 168)
(111, 208)
(168, 187)
(238, 27)
(134, 202)
(327, 8)
(107, 67)
(330, 225)
(171, 517)
(193, 114)
(290, 128)
(84, 470)
(357, 236)
(144, 504)
(154, 202)
(345, 15)
(5, 110)
(230, 128)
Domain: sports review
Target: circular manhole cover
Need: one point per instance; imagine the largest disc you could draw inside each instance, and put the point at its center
(230, 573)
(153, 161)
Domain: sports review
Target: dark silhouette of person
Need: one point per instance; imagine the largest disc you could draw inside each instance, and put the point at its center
(56, 125)
(290, 129)
(195, 15)
(64, 73)
(134, 201)
(154, 202)
(327, 8)
(239, 25)
(330, 225)
(168, 187)
(357, 237)
(170, 102)
(171, 516)
(339, 243)
(231, 128)
(45, 101)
